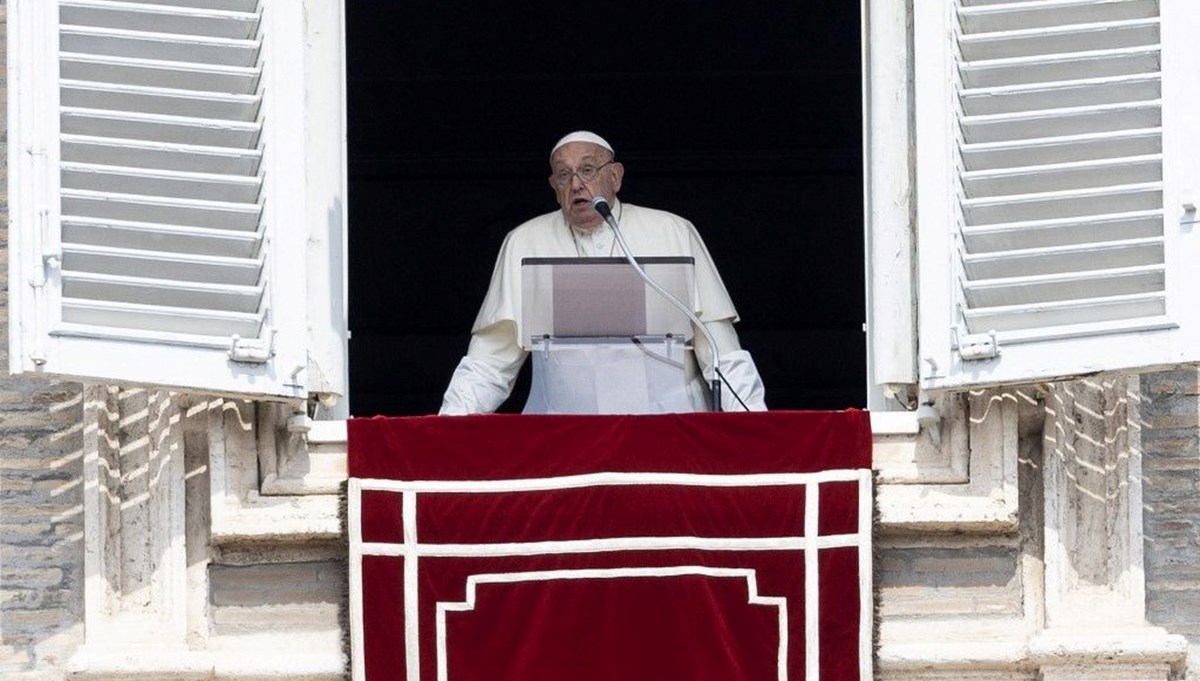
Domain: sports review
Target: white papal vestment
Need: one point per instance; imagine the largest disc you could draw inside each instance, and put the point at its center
(484, 378)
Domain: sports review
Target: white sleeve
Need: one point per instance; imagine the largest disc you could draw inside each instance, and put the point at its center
(484, 378)
(741, 375)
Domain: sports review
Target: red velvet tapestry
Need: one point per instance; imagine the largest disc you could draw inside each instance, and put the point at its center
(683, 547)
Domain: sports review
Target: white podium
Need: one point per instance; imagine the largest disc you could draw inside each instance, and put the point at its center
(602, 341)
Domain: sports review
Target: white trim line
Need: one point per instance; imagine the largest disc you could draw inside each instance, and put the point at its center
(812, 587)
(536, 548)
(607, 479)
(778, 602)
(866, 578)
(354, 518)
(412, 621)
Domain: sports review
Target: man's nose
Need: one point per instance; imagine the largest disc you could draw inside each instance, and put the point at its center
(576, 180)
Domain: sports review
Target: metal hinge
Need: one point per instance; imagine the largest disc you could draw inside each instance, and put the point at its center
(1188, 203)
(51, 259)
(979, 346)
(252, 350)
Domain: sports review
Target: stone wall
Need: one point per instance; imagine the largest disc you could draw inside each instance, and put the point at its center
(1171, 440)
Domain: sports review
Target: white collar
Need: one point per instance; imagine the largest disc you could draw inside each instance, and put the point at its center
(603, 226)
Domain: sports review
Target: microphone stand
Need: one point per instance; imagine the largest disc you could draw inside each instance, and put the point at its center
(601, 205)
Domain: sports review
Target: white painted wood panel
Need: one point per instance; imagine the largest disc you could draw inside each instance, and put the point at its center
(162, 232)
(1049, 245)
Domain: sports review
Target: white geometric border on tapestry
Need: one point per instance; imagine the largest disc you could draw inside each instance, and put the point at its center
(778, 602)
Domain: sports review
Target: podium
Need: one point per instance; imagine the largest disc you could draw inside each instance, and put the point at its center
(602, 342)
(674, 547)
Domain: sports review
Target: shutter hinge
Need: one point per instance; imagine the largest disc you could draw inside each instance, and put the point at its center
(978, 346)
(1188, 203)
(51, 259)
(252, 350)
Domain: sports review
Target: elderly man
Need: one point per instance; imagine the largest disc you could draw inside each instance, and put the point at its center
(583, 166)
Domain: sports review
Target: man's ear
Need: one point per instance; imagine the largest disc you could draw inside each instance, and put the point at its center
(618, 175)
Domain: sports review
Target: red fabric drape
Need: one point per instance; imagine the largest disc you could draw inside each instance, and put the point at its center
(611, 547)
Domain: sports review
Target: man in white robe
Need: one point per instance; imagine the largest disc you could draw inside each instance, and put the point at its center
(583, 166)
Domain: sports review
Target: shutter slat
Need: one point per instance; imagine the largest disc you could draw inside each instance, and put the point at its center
(227, 5)
(159, 237)
(180, 19)
(153, 100)
(114, 42)
(164, 156)
(1062, 176)
(159, 73)
(161, 292)
(1065, 149)
(1065, 286)
(160, 128)
(1064, 121)
(159, 319)
(1051, 13)
(160, 265)
(1063, 231)
(1060, 67)
(1064, 204)
(1052, 96)
(161, 183)
(1037, 41)
(1064, 259)
(1046, 316)
(185, 212)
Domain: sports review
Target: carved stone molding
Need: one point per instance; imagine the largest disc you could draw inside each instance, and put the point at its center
(1094, 579)
(1081, 526)
(164, 476)
(962, 480)
(243, 511)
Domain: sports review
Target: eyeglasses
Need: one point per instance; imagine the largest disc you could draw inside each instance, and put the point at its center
(562, 178)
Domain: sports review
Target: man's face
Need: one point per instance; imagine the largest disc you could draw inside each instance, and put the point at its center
(575, 194)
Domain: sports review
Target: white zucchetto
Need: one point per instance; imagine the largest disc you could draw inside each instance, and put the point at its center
(582, 136)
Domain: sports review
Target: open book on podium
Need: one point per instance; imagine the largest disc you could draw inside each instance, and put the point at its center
(602, 341)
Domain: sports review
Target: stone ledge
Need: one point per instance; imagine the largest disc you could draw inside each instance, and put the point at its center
(274, 657)
(1130, 654)
(1121, 646)
(278, 519)
(933, 508)
(954, 656)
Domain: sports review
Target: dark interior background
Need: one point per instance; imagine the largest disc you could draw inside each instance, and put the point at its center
(743, 117)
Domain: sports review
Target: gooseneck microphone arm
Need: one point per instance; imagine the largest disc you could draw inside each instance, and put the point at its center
(602, 207)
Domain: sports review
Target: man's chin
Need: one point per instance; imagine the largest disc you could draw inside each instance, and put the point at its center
(581, 219)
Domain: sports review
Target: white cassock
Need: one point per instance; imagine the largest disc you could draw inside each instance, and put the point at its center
(484, 378)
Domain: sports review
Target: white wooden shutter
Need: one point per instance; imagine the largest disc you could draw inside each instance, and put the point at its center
(1053, 140)
(157, 206)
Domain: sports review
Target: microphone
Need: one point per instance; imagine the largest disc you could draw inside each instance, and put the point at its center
(605, 211)
(602, 207)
